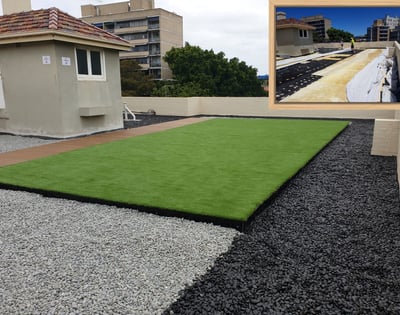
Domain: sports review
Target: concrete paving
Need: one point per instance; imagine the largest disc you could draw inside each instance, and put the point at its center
(332, 86)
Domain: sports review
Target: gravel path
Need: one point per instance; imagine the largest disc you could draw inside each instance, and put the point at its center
(63, 257)
(66, 257)
(328, 244)
(12, 143)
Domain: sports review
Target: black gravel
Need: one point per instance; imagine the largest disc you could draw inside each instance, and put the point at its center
(293, 78)
(328, 244)
(145, 120)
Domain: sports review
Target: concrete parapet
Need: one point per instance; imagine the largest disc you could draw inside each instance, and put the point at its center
(386, 137)
(239, 106)
(358, 45)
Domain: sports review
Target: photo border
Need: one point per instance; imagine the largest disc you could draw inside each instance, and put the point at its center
(273, 4)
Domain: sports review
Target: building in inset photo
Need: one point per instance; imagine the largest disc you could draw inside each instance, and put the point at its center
(293, 37)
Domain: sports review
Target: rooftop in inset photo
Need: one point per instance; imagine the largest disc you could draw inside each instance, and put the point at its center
(336, 54)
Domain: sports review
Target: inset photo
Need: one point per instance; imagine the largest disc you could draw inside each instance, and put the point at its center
(345, 55)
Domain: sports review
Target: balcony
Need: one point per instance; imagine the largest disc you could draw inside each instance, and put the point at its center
(154, 39)
(154, 26)
(130, 30)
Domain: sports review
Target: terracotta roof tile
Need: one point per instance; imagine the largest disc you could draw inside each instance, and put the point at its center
(52, 20)
(293, 22)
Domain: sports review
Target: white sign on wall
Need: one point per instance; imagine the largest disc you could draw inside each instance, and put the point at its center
(46, 60)
(66, 61)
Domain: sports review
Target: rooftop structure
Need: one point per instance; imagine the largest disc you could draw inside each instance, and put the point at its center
(68, 71)
(293, 37)
(151, 31)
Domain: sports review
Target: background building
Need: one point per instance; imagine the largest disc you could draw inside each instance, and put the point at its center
(321, 24)
(378, 31)
(384, 29)
(392, 22)
(151, 31)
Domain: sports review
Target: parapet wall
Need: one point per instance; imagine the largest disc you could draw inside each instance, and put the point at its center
(358, 45)
(386, 140)
(238, 106)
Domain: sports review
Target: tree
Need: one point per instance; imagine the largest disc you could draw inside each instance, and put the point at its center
(178, 90)
(134, 81)
(317, 38)
(212, 74)
(336, 35)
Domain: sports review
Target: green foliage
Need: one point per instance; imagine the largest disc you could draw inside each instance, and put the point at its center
(172, 89)
(210, 74)
(336, 35)
(134, 81)
(317, 38)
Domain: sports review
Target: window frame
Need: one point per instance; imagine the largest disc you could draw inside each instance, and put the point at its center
(90, 76)
(303, 33)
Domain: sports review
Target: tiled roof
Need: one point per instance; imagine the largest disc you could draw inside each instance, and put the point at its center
(52, 20)
(291, 22)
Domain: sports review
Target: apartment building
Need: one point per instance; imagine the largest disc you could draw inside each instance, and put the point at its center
(379, 31)
(384, 29)
(151, 31)
(391, 21)
(321, 24)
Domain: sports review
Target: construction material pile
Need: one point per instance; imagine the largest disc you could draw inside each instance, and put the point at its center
(377, 82)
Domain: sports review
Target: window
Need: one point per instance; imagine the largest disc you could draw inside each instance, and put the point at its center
(99, 25)
(138, 23)
(134, 36)
(154, 49)
(131, 23)
(142, 61)
(303, 33)
(154, 22)
(90, 64)
(140, 48)
(109, 26)
(154, 36)
(155, 61)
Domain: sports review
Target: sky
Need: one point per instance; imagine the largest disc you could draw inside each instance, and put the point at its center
(222, 25)
(354, 20)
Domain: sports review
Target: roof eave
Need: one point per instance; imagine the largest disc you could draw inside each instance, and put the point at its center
(63, 37)
(298, 26)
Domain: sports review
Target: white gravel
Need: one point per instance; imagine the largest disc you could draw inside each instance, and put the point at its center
(12, 143)
(59, 256)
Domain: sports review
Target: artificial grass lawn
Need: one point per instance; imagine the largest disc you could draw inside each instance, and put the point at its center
(222, 168)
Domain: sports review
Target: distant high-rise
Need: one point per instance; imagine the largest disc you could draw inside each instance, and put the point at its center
(151, 31)
(381, 29)
(391, 22)
(321, 24)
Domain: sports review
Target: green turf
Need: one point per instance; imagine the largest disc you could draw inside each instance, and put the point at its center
(223, 168)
